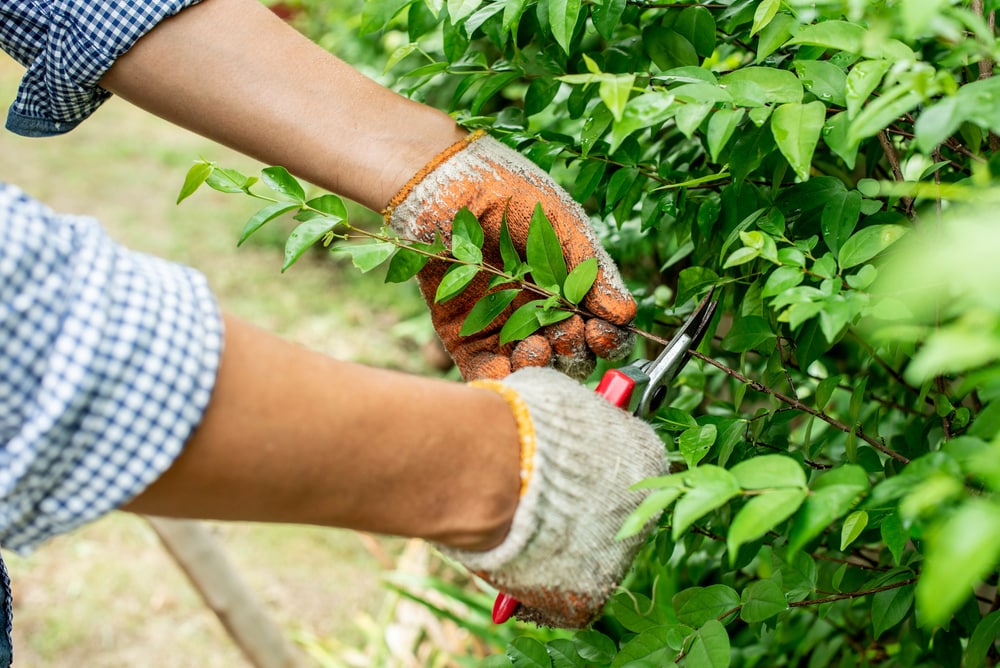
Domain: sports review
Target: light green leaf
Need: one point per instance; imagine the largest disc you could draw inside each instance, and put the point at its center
(651, 507)
(721, 127)
(562, 19)
(854, 524)
(649, 648)
(765, 11)
(777, 86)
(642, 112)
(710, 488)
(769, 471)
(550, 316)
(960, 554)
(796, 128)
(544, 252)
(454, 281)
(227, 180)
(710, 648)
(761, 514)
(364, 256)
(486, 310)
(329, 204)
(867, 243)
(268, 213)
(741, 256)
(862, 81)
(614, 91)
(580, 280)
(459, 9)
(823, 79)
(695, 443)
(697, 605)
(306, 234)
(774, 34)
(781, 279)
(853, 38)
(522, 323)
(835, 493)
(283, 183)
(193, 179)
(762, 600)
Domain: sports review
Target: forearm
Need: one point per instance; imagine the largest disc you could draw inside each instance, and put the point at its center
(293, 436)
(233, 72)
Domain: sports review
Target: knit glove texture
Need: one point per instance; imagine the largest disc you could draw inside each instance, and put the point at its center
(492, 180)
(579, 455)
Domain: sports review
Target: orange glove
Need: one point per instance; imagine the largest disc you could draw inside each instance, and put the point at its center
(490, 179)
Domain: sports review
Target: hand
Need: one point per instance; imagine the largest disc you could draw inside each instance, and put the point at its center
(492, 180)
(579, 455)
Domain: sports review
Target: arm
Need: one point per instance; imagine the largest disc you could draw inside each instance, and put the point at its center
(291, 435)
(267, 91)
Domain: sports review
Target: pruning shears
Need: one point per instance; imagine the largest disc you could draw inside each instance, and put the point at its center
(640, 388)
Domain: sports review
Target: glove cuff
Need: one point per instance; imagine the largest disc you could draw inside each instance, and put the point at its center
(438, 160)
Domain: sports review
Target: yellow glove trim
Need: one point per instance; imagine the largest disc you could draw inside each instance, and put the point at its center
(427, 169)
(525, 427)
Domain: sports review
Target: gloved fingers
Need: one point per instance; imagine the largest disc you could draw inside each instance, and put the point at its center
(607, 341)
(532, 351)
(569, 346)
(485, 365)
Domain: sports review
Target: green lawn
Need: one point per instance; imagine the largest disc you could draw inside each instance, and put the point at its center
(108, 595)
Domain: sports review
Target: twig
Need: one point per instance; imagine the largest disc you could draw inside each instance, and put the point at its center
(897, 170)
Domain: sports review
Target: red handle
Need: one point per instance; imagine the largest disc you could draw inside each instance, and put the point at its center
(617, 388)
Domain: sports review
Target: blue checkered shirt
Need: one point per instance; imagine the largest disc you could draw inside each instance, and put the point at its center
(67, 46)
(107, 361)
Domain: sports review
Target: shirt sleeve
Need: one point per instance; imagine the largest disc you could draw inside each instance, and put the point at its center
(108, 358)
(67, 46)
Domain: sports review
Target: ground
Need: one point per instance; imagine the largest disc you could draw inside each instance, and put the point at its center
(108, 595)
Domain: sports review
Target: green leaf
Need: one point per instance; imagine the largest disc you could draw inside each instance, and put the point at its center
(563, 653)
(697, 26)
(748, 333)
(851, 37)
(668, 48)
(280, 181)
(854, 524)
(595, 646)
(710, 648)
(405, 264)
(721, 127)
(868, 242)
(640, 112)
(496, 661)
(580, 280)
(796, 128)
(983, 639)
(527, 652)
(229, 180)
(550, 316)
(835, 493)
(454, 281)
(823, 79)
(959, 555)
(193, 179)
(268, 213)
(614, 91)
(894, 535)
(508, 253)
(769, 471)
(304, 236)
(459, 9)
(776, 86)
(761, 514)
(563, 15)
(862, 81)
(544, 252)
(781, 279)
(741, 256)
(651, 507)
(467, 237)
(839, 218)
(774, 34)
(695, 443)
(486, 310)
(365, 256)
(329, 204)
(763, 15)
(890, 607)
(697, 605)
(710, 488)
(649, 648)
(762, 600)
(522, 323)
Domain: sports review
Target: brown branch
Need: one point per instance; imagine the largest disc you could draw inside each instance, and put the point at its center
(897, 170)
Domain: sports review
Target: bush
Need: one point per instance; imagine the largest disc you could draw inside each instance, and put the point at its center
(829, 166)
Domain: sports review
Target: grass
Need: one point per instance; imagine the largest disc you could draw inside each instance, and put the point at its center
(107, 595)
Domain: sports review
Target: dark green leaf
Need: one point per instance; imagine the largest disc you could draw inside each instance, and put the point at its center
(454, 281)
(522, 323)
(580, 280)
(894, 535)
(508, 253)
(563, 654)
(668, 48)
(595, 646)
(781, 279)
(268, 213)
(405, 264)
(695, 443)
(305, 235)
(193, 179)
(711, 487)
(527, 652)
(544, 252)
(486, 311)
(983, 639)
(840, 217)
(467, 237)
(606, 14)
(761, 601)
(697, 25)
(796, 128)
(562, 20)
(890, 607)
(550, 316)
(747, 333)
(835, 494)
(280, 181)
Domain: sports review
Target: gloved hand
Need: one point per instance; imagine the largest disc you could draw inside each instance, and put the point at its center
(579, 455)
(490, 179)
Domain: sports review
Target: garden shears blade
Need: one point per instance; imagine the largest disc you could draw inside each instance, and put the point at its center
(640, 388)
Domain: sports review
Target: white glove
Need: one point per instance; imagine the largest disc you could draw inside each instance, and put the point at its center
(579, 455)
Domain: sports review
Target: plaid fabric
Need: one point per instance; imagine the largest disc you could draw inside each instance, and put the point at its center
(107, 361)
(67, 46)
